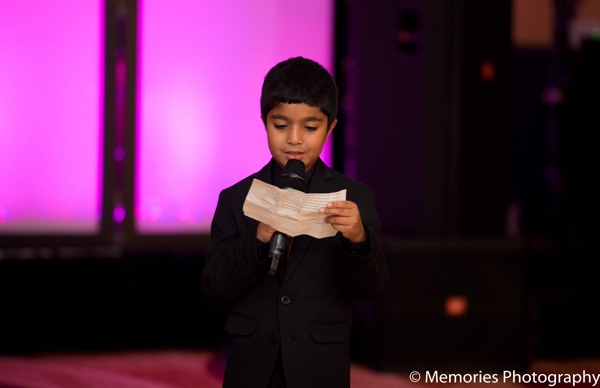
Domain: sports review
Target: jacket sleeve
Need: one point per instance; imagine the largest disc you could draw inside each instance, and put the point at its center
(233, 263)
(366, 269)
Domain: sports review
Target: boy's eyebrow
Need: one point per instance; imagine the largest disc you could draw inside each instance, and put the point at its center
(284, 117)
(313, 118)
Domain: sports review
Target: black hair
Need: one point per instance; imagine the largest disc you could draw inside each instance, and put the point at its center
(299, 80)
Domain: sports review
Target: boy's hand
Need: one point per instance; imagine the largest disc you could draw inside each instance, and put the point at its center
(264, 232)
(345, 217)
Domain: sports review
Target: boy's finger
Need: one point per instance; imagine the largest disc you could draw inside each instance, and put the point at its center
(347, 208)
(336, 220)
(335, 210)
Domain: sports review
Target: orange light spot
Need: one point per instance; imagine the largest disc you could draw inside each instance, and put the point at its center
(488, 71)
(456, 305)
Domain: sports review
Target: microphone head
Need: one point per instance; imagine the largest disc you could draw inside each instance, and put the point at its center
(293, 175)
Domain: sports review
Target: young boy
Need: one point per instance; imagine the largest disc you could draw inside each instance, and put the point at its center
(293, 329)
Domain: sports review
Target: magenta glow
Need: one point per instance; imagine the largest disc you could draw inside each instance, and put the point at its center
(51, 116)
(200, 70)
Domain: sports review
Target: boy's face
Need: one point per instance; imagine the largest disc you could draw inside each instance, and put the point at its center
(297, 131)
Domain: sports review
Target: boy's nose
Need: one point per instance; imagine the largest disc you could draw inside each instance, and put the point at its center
(295, 135)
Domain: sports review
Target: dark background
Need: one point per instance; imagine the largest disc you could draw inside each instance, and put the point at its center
(478, 145)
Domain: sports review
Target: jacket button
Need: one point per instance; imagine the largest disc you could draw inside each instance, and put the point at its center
(273, 339)
(285, 299)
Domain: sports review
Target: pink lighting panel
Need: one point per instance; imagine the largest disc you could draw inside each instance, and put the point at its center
(200, 69)
(51, 116)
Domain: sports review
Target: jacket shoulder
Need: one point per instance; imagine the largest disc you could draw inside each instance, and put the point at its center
(349, 183)
(241, 188)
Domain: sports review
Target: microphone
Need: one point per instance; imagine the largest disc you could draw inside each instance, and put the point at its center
(291, 179)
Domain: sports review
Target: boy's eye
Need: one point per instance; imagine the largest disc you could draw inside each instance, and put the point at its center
(279, 126)
(309, 128)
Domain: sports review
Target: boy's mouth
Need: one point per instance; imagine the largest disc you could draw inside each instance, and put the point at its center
(294, 155)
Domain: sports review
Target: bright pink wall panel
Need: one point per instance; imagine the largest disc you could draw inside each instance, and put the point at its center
(51, 93)
(200, 69)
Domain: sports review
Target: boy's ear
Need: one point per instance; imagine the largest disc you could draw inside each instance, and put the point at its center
(333, 123)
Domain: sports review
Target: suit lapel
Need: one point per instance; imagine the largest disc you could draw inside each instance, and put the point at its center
(265, 173)
(321, 182)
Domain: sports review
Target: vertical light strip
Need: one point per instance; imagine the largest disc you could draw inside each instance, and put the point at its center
(200, 69)
(51, 116)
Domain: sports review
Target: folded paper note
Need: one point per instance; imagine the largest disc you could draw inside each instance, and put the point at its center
(290, 211)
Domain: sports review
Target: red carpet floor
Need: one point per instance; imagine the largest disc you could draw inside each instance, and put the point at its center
(183, 369)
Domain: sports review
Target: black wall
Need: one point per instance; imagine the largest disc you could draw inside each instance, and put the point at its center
(422, 127)
(427, 120)
(140, 300)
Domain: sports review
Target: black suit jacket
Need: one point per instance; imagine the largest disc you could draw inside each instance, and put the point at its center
(307, 310)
